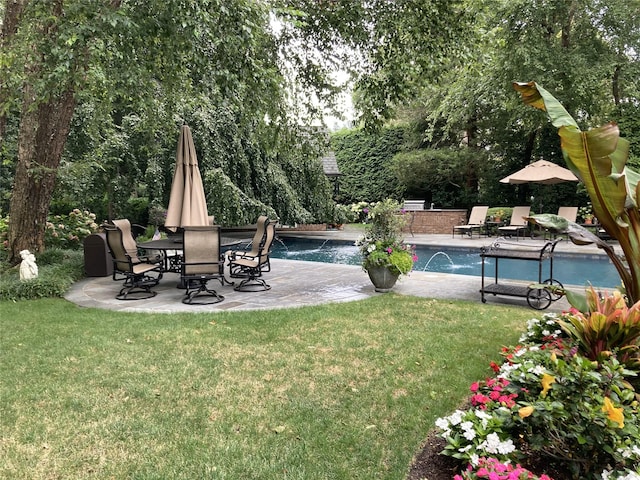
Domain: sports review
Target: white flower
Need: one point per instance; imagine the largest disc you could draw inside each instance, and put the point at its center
(611, 475)
(468, 430)
(442, 423)
(493, 445)
(537, 370)
(456, 417)
(473, 458)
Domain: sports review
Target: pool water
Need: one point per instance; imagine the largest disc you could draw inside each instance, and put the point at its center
(567, 269)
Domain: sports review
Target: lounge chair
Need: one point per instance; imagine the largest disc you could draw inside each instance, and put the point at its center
(518, 223)
(139, 273)
(476, 221)
(201, 263)
(570, 213)
(249, 266)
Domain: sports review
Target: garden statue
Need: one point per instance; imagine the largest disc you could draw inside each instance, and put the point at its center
(28, 267)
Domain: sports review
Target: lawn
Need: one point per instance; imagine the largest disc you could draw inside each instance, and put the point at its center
(341, 391)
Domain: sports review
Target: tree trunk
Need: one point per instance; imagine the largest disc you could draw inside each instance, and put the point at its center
(43, 132)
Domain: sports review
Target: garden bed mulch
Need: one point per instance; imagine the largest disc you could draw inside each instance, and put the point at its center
(429, 464)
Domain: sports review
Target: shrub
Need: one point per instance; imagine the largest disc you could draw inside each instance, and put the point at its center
(551, 402)
(57, 271)
(69, 231)
(609, 325)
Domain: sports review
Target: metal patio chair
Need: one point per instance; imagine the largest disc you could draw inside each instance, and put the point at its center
(518, 223)
(201, 263)
(139, 273)
(477, 219)
(249, 266)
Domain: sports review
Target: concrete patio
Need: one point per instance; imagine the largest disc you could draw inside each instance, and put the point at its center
(300, 283)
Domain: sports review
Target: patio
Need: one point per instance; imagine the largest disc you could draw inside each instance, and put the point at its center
(299, 283)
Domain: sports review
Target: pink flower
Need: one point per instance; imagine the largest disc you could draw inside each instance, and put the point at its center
(474, 387)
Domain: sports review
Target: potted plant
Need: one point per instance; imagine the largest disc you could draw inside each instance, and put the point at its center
(385, 256)
(586, 214)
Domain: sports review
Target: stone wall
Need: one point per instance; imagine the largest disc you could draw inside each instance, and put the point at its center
(436, 221)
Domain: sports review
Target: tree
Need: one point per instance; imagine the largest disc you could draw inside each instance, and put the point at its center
(586, 50)
(122, 59)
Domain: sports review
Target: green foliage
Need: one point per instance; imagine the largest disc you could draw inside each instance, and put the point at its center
(503, 213)
(69, 231)
(608, 326)
(344, 214)
(550, 401)
(598, 158)
(382, 244)
(446, 176)
(58, 269)
(365, 161)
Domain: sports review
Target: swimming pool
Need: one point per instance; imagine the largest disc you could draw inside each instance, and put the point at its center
(569, 269)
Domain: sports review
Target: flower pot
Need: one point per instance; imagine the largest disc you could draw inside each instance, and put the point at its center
(382, 278)
(588, 221)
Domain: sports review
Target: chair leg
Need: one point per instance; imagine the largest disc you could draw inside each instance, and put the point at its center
(252, 284)
(137, 288)
(192, 295)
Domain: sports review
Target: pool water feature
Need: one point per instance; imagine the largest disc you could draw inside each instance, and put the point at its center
(568, 269)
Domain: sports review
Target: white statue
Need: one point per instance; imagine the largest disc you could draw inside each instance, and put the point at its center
(28, 267)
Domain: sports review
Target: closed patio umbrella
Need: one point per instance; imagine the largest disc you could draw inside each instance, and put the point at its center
(542, 171)
(187, 203)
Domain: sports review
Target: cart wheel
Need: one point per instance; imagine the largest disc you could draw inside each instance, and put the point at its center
(538, 298)
(553, 282)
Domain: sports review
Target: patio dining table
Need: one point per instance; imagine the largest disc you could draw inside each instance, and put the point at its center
(171, 261)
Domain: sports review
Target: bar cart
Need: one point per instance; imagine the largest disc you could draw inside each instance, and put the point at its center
(538, 298)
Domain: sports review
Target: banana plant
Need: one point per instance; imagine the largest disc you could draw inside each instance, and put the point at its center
(598, 157)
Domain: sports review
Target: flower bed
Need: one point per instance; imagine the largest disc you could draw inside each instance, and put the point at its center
(560, 397)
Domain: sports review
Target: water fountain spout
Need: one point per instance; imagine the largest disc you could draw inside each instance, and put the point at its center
(434, 256)
(279, 240)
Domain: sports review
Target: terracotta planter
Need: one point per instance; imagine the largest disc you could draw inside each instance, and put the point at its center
(382, 278)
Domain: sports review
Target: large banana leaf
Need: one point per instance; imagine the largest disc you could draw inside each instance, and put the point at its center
(598, 158)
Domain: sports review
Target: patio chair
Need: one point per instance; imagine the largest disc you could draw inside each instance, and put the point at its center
(201, 263)
(249, 266)
(258, 235)
(476, 221)
(129, 233)
(139, 273)
(569, 213)
(518, 223)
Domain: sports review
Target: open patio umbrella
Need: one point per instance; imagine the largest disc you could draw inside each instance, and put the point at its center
(187, 203)
(544, 172)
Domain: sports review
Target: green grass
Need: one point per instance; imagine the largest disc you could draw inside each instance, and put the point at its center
(343, 391)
